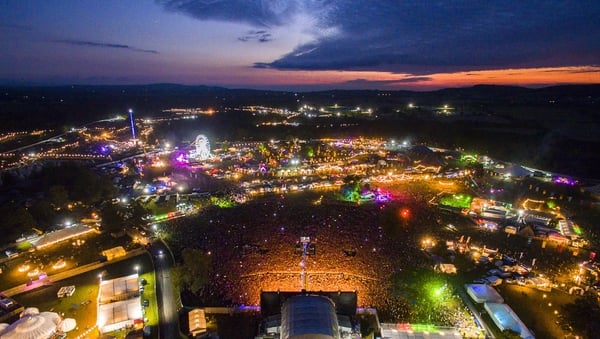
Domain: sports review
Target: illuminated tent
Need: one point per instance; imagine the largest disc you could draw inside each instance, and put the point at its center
(513, 170)
(29, 311)
(67, 325)
(506, 319)
(482, 293)
(114, 252)
(33, 326)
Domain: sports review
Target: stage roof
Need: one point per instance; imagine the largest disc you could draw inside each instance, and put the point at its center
(309, 316)
(506, 319)
(482, 293)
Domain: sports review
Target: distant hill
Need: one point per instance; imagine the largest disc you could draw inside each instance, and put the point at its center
(22, 106)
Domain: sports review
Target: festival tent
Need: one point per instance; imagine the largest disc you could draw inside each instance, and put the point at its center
(513, 170)
(506, 319)
(29, 311)
(482, 293)
(61, 235)
(421, 149)
(68, 324)
(115, 252)
(33, 326)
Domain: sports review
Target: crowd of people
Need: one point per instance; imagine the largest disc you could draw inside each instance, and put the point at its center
(359, 247)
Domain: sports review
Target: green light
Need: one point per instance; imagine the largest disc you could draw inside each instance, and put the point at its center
(424, 327)
(24, 245)
(457, 201)
(160, 217)
(468, 158)
(222, 202)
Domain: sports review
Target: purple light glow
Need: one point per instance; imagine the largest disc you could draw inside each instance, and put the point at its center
(181, 158)
(565, 181)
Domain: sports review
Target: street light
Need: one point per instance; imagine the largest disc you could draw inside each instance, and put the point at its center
(179, 190)
(137, 268)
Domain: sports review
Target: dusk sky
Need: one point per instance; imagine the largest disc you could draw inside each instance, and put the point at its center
(300, 44)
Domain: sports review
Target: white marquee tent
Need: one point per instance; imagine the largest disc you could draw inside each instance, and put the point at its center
(32, 326)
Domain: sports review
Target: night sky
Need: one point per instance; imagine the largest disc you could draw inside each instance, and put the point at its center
(300, 44)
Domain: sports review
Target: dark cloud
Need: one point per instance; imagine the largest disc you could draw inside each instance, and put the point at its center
(104, 45)
(259, 13)
(260, 36)
(422, 37)
(388, 82)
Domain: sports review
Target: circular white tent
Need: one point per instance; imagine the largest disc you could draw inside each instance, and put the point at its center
(67, 325)
(30, 311)
(32, 326)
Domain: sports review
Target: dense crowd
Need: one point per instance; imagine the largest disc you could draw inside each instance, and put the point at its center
(358, 247)
(364, 247)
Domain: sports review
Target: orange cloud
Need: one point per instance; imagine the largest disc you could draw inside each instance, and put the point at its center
(522, 77)
(545, 76)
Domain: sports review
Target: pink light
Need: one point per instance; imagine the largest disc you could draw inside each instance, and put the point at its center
(181, 158)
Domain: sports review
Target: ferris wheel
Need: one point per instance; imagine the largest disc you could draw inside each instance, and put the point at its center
(202, 147)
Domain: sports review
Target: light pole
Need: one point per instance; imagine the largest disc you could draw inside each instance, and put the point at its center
(179, 189)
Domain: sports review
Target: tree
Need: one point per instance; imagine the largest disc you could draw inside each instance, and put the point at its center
(584, 313)
(16, 220)
(194, 272)
(138, 212)
(58, 196)
(43, 213)
(111, 218)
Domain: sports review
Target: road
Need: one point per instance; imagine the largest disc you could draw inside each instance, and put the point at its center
(168, 304)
